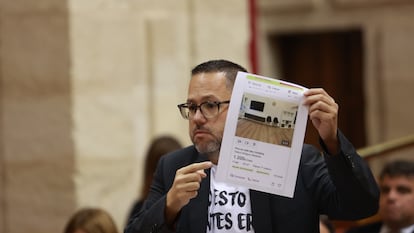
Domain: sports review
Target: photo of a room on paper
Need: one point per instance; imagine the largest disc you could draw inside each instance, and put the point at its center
(267, 120)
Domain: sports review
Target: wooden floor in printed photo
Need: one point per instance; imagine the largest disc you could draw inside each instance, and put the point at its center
(264, 132)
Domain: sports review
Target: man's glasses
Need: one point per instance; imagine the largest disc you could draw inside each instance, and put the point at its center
(208, 109)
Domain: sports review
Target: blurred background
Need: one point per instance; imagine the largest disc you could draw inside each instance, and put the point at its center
(86, 85)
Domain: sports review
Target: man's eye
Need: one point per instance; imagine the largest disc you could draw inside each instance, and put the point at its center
(403, 190)
(192, 107)
(384, 190)
(210, 105)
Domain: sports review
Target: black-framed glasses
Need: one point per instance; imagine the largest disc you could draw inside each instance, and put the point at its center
(209, 109)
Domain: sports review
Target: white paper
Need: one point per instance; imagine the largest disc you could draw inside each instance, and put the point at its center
(263, 135)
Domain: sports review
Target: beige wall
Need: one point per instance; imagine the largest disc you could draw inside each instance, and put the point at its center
(85, 86)
(37, 159)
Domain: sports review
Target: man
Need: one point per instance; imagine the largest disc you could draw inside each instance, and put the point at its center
(396, 209)
(185, 197)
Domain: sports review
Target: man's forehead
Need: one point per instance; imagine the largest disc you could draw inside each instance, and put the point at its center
(208, 85)
(203, 98)
(398, 178)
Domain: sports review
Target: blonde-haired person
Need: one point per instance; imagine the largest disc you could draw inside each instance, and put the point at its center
(91, 220)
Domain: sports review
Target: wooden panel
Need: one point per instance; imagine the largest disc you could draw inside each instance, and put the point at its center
(334, 61)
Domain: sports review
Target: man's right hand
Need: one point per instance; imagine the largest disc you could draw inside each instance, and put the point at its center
(185, 187)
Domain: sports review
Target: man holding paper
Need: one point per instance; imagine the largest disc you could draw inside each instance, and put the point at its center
(185, 196)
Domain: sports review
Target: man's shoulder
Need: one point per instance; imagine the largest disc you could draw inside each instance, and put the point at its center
(183, 151)
(183, 156)
(172, 161)
(368, 228)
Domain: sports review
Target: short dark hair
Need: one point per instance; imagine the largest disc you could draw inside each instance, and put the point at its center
(398, 168)
(229, 68)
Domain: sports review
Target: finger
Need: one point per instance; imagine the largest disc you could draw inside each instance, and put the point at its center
(317, 94)
(312, 99)
(323, 107)
(195, 167)
(191, 174)
(314, 91)
(189, 187)
(191, 194)
(320, 116)
(187, 178)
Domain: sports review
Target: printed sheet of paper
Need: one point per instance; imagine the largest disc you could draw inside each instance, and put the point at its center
(263, 136)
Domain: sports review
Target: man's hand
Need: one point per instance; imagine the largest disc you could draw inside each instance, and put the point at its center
(323, 112)
(185, 187)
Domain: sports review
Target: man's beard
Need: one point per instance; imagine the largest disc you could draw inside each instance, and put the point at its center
(212, 147)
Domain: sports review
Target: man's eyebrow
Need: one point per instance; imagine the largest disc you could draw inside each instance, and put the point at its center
(205, 98)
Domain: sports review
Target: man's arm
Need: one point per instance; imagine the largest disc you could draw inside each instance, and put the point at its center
(357, 192)
(349, 189)
(164, 202)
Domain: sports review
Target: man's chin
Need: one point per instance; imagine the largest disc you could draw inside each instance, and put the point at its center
(205, 149)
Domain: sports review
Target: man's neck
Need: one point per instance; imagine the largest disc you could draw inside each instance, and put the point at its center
(400, 229)
(213, 157)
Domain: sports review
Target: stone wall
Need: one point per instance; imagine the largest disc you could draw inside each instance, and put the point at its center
(37, 156)
(85, 86)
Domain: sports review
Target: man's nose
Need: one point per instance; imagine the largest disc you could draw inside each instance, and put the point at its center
(392, 194)
(198, 115)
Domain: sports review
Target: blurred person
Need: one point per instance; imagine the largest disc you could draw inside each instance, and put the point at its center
(396, 182)
(91, 220)
(159, 146)
(325, 225)
(185, 196)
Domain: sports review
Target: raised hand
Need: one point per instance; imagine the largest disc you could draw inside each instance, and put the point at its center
(185, 187)
(323, 112)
